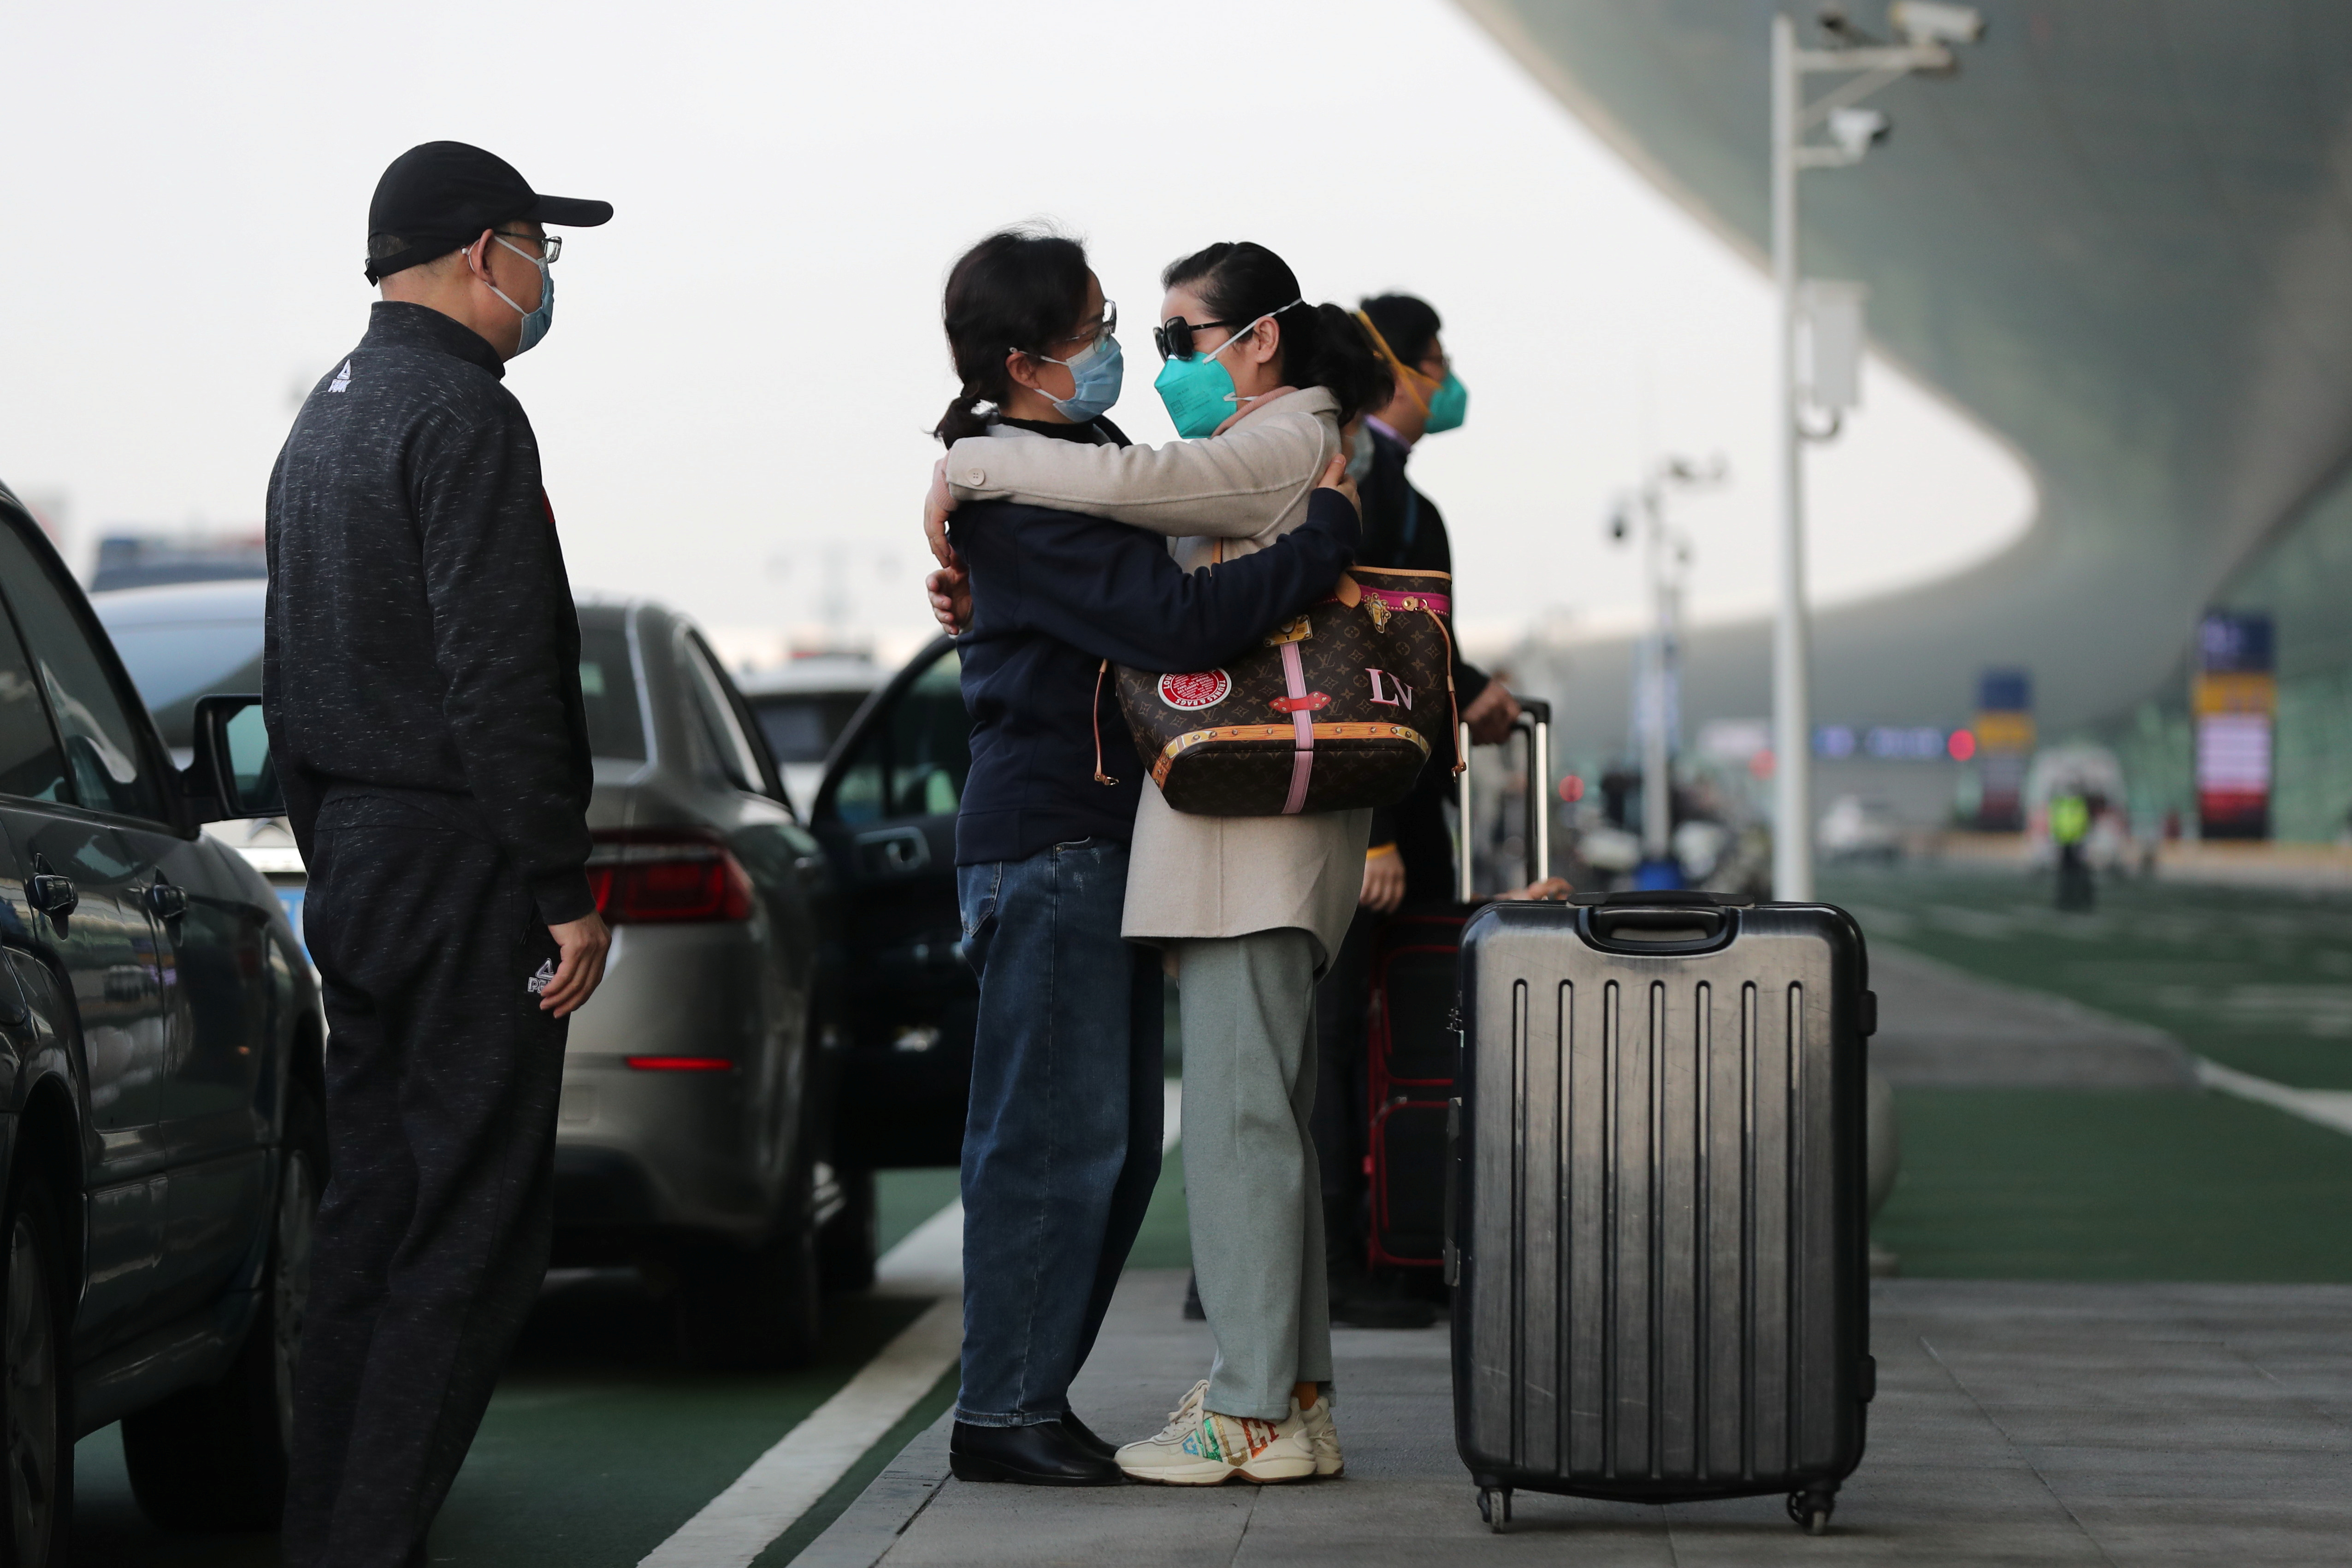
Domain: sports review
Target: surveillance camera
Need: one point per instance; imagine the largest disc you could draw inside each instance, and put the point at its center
(1856, 131)
(1926, 22)
(1619, 525)
(1840, 28)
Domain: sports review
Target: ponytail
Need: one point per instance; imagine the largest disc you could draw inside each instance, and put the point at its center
(1322, 346)
(1020, 288)
(963, 417)
(1342, 360)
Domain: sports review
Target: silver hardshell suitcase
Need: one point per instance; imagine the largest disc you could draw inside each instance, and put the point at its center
(1658, 1233)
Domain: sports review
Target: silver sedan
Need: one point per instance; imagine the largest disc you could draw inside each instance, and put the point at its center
(697, 1130)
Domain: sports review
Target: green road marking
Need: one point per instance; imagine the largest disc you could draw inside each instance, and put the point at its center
(597, 1445)
(2039, 1184)
(596, 1464)
(905, 1199)
(2257, 979)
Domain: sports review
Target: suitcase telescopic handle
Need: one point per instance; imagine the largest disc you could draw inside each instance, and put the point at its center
(1535, 723)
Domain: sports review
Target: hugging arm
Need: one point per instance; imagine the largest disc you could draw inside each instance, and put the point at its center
(1129, 603)
(1230, 487)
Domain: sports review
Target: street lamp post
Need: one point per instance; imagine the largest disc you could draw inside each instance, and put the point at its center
(1666, 555)
(1929, 30)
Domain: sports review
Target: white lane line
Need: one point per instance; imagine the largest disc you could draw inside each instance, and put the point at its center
(2331, 1108)
(786, 1481)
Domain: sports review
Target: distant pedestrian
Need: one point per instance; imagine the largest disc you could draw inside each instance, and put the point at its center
(2070, 825)
(422, 687)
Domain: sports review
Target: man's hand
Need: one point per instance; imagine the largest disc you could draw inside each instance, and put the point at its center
(951, 592)
(583, 943)
(1384, 880)
(1491, 717)
(936, 507)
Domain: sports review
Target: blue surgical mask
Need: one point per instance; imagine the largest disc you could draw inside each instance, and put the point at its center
(1097, 374)
(534, 322)
(1199, 392)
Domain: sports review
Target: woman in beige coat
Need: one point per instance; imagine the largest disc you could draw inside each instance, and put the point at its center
(1249, 908)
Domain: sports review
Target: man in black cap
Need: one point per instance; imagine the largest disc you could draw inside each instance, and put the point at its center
(421, 684)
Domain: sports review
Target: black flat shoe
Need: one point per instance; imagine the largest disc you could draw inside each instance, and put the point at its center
(1042, 1454)
(1085, 1435)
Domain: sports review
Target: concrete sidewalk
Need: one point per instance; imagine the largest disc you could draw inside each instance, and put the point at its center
(2015, 1423)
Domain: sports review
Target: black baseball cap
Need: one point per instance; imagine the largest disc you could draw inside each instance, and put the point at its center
(438, 197)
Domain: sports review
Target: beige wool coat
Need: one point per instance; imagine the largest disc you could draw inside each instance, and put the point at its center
(1205, 875)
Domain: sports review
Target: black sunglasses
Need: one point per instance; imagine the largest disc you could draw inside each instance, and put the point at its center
(1174, 336)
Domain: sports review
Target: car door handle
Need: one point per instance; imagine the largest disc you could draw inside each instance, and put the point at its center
(893, 851)
(53, 894)
(167, 902)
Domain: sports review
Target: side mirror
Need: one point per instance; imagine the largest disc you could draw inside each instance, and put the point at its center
(232, 773)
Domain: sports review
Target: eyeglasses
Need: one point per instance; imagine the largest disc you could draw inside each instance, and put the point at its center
(550, 245)
(1096, 330)
(1174, 336)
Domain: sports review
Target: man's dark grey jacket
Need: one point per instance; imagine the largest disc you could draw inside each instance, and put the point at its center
(422, 642)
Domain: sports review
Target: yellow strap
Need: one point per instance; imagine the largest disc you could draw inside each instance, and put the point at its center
(1406, 375)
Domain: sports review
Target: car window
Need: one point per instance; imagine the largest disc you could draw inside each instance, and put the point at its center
(801, 726)
(913, 760)
(31, 767)
(173, 663)
(608, 685)
(731, 749)
(168, 661)
(103, 752)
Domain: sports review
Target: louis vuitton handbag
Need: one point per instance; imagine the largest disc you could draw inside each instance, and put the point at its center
(1336, 710)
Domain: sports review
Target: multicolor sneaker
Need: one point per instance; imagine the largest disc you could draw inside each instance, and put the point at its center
(1322, 1437)
(1199, 1448)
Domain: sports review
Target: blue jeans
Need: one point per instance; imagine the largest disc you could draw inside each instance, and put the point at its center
(1062, 1147)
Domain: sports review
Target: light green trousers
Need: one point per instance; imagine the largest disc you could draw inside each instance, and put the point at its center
(1246, 1014)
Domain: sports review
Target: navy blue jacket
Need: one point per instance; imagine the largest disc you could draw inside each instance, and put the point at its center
(1054, 594)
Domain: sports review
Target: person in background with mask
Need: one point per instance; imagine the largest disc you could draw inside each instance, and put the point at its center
(1062, 1146)
(1411, 855)
(421, 686)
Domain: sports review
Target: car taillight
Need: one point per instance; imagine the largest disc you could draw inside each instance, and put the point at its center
(649, 882)
(681, 1064)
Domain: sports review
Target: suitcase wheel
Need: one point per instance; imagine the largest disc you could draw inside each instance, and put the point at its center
(1810, 1509)
(1495, 1518)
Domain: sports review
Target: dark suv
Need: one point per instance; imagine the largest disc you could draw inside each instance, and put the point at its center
(160, 1132)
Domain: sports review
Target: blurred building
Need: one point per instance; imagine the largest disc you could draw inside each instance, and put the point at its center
(2122, 239)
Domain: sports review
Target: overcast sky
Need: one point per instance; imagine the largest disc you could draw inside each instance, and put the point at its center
(732, 401)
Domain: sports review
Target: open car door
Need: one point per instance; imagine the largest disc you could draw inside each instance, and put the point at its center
(886, 814)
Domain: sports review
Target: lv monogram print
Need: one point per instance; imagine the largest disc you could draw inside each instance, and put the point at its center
(1336, 710)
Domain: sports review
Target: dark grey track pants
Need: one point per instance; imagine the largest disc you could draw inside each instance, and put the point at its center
(442, 1081)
